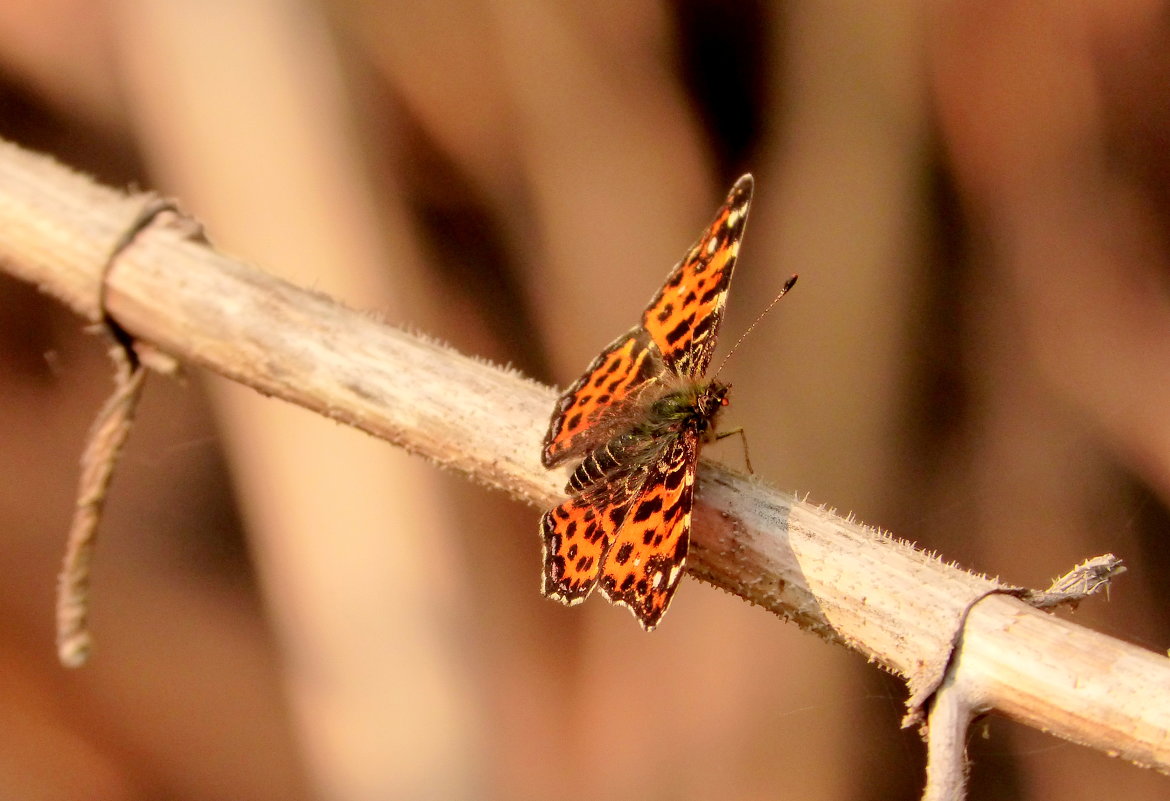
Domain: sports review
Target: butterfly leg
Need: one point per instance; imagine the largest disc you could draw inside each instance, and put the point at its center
(743, 438)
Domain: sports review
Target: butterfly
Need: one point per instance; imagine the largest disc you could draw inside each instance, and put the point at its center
(637, 418)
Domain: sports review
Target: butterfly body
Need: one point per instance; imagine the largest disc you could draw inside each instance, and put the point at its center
(687, 411)
(636, 419)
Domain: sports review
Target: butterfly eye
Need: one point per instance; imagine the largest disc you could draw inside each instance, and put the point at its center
(724, 402)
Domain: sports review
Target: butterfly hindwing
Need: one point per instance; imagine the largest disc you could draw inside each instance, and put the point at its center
(578, 534)
(646, 557)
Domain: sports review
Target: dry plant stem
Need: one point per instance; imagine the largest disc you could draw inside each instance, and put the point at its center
(1066, 679)
(896, 605)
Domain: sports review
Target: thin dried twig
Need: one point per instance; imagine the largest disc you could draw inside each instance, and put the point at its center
(102, 449)
(847, 582)
(1088, 578)
(946, 765)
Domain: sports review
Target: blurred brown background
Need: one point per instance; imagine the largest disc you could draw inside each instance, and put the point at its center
(977, 358)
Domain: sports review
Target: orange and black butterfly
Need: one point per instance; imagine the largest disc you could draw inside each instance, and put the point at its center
(637, 418)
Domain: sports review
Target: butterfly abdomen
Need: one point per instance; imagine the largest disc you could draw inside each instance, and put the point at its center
(601, 462)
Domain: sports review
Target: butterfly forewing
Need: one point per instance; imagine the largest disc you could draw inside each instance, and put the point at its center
(684, 317)
(609, 386)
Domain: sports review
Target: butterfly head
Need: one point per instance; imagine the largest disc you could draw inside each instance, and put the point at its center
(708, 403)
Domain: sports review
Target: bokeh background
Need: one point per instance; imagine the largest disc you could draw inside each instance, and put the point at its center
(977, 358)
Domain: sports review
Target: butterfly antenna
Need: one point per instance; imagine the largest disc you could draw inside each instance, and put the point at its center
(783, 291)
